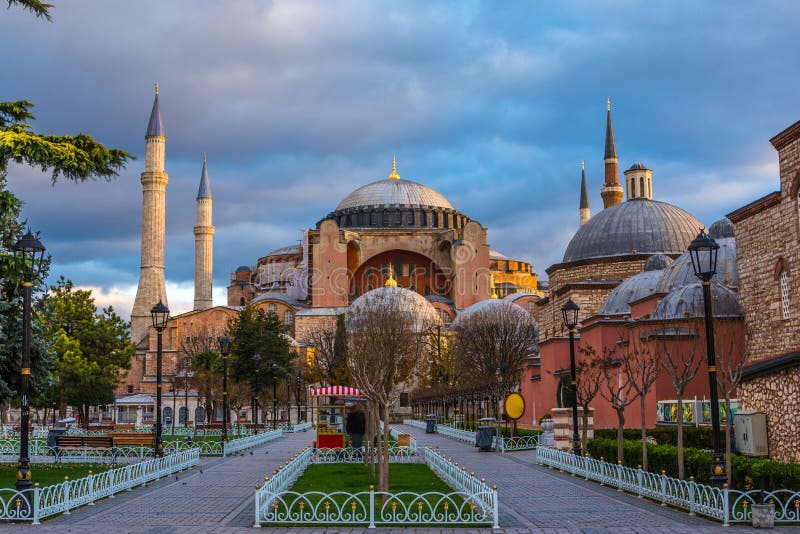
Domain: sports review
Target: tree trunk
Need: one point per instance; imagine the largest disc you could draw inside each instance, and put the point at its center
(728, 436)
(680, 435)
(62, 405)
(644, 432)
(620, 432)
(174, 410)
(585, 425)
(384, 482)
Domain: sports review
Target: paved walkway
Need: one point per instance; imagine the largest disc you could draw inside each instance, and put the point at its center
(217, 497)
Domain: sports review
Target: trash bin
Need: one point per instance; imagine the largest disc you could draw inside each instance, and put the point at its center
(430, 423)
(487, 430)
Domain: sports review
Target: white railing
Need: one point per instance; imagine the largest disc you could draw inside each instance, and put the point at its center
(473, 504)
(455, 433)
(39, 452)
(395, 434)
(518, 443)
(415, 423)
(349, 455)
(296, 427)
(63, 497)
(240, 444)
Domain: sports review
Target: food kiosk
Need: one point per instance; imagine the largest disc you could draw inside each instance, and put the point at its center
(331, 415)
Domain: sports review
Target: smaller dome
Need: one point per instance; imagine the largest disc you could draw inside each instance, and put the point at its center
(410, 302)
(657, 262)
(722, 228)
(488, 305)
(686, 302)
(634, 288)
(638, 167)
(681, 272)
(243, 269)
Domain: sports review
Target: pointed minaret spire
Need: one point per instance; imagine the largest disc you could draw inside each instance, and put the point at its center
(611, 191)
(155, 128)
(584, 211)
(393, 175)
(203, 244)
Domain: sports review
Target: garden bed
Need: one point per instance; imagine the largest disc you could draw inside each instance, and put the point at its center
(48, 474)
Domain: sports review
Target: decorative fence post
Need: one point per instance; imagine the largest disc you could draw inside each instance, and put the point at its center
(91, 488)
(495, 508)
(619, 475)
(725, 505)
(639, 480)
(371, 506)
(66, 494)
(257, 524)
(36, 503)
(663, 488)
(691, 495)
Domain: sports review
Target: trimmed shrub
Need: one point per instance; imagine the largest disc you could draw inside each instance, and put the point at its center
(697, 437)
(746, 473)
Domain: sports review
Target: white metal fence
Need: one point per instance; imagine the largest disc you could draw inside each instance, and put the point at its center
(726, 505)
(239, 444)
(70, 494)
(473, 502)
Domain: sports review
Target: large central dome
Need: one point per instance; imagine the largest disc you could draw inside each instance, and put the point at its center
(638, 226)
(394, 192)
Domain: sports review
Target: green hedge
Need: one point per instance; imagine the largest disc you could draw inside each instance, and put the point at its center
(698, 437)
(747, 473)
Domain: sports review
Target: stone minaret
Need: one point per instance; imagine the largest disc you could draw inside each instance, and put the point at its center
(611, 191)
(584, 210)
(203, 244)
(154, 192)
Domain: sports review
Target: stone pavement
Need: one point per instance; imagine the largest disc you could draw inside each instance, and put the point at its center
(217, 497)
(537, 499)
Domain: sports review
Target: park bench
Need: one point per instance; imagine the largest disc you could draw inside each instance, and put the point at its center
(84, 442)
(131, 438)
(124, 427)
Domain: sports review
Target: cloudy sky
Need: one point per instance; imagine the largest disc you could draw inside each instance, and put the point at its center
(297, 103)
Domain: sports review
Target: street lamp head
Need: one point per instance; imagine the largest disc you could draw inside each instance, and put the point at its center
(225, 344)
(160, 315)
(569, 313)
(256, 358)
(703, 252)
(274, 367)
(29, 252)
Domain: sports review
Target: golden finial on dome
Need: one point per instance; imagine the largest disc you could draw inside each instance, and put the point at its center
(491, 279)
(608, 103)
(156, 87)
(204, 157)
(583, 165)
(390, 282)
(393, 175)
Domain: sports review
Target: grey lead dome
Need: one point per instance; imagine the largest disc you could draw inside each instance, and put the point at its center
(639, 226)
(390, 192)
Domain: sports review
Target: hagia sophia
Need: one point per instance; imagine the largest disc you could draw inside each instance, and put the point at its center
(626, 267)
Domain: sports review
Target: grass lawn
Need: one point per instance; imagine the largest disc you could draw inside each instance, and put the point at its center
(354, 478)
(47, 474)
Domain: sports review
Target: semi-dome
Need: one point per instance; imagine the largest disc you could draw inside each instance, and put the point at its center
(638, 167)
(404, 300)
(638, 226)
(634, 288)
(686, 302)
(681, 272)
(394, 192)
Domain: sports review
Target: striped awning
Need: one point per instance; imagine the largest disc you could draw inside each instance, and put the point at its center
(337, 391)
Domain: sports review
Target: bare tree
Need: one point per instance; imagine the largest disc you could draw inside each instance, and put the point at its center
(384, 328)
(681, 361)
(616, 388)
(587, 386)
(330, 353)
(642, 369)
(495, 341)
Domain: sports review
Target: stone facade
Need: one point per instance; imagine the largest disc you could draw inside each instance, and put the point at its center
(767, 236)
(777, 395)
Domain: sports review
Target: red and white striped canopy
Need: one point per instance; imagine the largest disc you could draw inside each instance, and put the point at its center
(336, 390)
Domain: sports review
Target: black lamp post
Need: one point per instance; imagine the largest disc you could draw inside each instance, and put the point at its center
(275, 369)
(289, 378)
(298, 382)
(29, 255)
(225, 350)
(703, 251)
(160, 315)
(569, 313)
(257, 359)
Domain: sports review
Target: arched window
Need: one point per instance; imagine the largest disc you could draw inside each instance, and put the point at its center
(241, 301)
(183, 414)
(288, 317)
(167, 415)
(531, 305)
(633, 187)
(272, 308)
(446, 319)
(199, 415)
(784, 277)
(642, 192)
